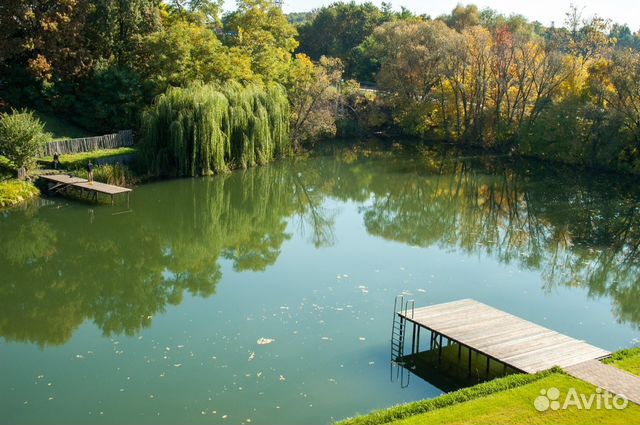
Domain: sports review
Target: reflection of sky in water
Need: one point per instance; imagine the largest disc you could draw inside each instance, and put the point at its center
(168, 274)
(327, 310)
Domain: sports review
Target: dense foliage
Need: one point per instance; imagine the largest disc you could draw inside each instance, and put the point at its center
(205, 129)
(339, 29)
(477, 77)
(313, 94)
(100, 63)
(473, 77)
(22, 136)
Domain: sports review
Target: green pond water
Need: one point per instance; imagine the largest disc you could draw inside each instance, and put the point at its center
(152, 315)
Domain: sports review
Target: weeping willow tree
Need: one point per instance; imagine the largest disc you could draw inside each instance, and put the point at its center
(206, 129)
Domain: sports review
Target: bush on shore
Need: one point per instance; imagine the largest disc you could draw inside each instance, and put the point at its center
(14, 192)
(22, 136)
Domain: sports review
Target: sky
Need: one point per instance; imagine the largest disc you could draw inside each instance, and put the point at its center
(544, 11)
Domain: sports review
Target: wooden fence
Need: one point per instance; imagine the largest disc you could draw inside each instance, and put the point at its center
(89, 144)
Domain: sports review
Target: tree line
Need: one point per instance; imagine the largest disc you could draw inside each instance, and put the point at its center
(477, 77)
(569, 93)
(102, 62)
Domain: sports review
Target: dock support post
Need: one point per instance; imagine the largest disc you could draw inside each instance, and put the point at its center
(440, 350)
(469, 362)
(413, 340)
(459, 353)
(418, 340)
(488, 360)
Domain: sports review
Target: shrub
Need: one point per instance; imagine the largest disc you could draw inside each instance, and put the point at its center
(14, 192)
(22, 136)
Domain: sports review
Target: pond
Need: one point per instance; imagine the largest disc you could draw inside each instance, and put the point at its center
(266, 296)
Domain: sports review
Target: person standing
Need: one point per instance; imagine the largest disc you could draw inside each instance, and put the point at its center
(90, 171)
(56, 160)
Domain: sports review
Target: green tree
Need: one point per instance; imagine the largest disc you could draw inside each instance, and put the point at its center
(129, 20)
(184, 51)
(462, 17)
(22, 136)
(205, 129)
(110, 100)
(622, 94)
(207, 11)
(337, 31)
(622, 36)
(412, 58)
(313, 94)
(260, 31)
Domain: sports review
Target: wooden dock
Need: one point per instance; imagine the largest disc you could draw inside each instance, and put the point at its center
(500, 336)
(60, 183)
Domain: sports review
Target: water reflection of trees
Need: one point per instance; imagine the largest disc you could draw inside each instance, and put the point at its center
(61, 268)
(575, 229)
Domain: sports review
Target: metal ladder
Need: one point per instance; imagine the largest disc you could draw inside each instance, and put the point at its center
(397, 339)
(397, 330)
(398, 327)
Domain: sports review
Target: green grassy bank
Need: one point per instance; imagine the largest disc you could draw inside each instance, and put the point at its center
(510, 400)
(627, 360)
(79, 160)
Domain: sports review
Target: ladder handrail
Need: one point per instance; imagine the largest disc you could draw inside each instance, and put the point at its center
(411, 303)
(395, 304)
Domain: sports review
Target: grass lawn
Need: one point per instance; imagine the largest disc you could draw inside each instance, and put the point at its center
(628, 360)
(79, 160)
(516, 407)
(61, 129)
(496, 405)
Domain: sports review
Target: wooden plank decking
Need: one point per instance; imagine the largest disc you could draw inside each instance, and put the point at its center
(501, 336)
(63, 182)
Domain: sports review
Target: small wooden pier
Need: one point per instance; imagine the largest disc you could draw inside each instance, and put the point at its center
(499, 336)
(61, 183)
